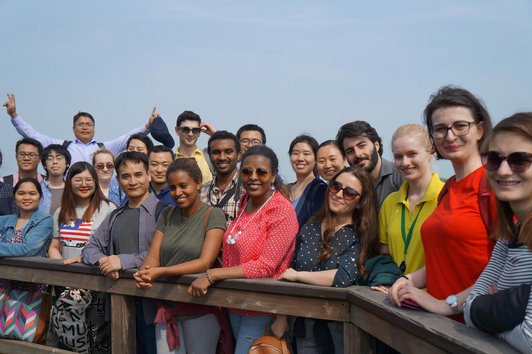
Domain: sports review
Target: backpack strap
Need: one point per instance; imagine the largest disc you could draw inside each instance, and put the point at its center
(206, 218)
(66, 143)
(9, 180)
(100, 145)
(158, 208)
(169, 215)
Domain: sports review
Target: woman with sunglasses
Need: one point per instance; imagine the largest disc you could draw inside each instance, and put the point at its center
(307, 192)
(259, 243)
(187, 241)
(334, 245)
(456, 236)
(104, 162)
(500, 301)
(403, 212)
(329, 160)
(83, 208)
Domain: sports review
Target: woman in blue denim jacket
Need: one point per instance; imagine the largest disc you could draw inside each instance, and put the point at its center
(29, 232)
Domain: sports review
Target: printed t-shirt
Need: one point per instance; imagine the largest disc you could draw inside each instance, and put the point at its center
(184, 237)
(75, 235)
(390, 217)
(457, 248)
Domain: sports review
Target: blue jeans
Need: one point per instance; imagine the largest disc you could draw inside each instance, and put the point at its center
(246, 329)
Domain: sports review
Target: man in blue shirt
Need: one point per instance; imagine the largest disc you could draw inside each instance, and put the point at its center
(160, 157)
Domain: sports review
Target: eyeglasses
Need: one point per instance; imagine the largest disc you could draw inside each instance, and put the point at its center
(57, 158)
(519, 162)
(248, 172)
(31, 155)
(459, 128)
(188, 130)
(78, 182)
(348, 192)
(251, 142)
(102, 166)
(85, 125)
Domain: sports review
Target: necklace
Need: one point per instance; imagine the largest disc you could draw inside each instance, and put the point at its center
(231, 239)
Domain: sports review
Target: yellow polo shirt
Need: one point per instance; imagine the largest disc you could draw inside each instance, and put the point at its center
(202, 163)
(390, 223)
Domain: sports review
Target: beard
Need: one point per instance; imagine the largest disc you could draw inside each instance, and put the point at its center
(373, 160)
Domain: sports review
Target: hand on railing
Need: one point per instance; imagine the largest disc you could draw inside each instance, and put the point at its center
(199, 286)
(110, 266)
(147, 276)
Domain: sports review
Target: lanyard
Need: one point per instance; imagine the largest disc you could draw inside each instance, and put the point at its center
(407, 238)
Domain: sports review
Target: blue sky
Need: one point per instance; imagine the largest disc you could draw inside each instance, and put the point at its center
(289, 66)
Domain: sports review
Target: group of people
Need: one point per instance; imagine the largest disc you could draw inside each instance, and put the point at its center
(459, 248)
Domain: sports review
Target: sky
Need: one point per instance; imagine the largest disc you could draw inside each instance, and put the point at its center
(292, 67)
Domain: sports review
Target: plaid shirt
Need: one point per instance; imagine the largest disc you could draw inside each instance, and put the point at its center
(212, 195)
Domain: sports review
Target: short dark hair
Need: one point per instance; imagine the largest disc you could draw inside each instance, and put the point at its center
(25, 180)
(304, 138)
(130, 156)
(188, 165)
(29, 141)
(58, 149)
(144, 138)
(247, 127)
(161, 148)
(327, 143)
(453, 96)
(356, 129)
(187, 115)
(223, 135)
(82, 114)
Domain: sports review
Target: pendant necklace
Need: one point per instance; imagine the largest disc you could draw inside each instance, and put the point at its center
(231, 239)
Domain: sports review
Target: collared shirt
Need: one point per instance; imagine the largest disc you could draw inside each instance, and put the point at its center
(202, 163)
(212, 195)
(16, 176)
(46, 201)
(390, 180)
(101, 245)
(78, 150)
(390, 223)
(163, 195)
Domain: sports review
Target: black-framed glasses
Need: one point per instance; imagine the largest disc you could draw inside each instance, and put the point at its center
(251, 142)
(248, 172)
(459, 128)
(85, 124)
(519, 162)
(348, 192)
(188, 130)
(31, 155)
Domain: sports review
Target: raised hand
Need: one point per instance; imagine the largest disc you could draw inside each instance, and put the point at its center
(154, 114)
(207, 128)
(11, 105)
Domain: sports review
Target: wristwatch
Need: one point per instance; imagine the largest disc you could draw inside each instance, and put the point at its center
(452, 301)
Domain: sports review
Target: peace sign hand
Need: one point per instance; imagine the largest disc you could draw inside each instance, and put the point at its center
(11, 106)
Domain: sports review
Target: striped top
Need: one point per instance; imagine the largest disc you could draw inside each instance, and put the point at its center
(509, 266)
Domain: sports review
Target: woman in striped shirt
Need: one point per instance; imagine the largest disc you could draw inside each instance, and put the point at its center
(501, 301)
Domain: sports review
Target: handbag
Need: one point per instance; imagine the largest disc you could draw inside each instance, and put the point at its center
(68, 319)
(268, 345)
(24, 314)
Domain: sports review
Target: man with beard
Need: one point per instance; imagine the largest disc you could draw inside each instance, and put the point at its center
(225, 189)
(361, 145)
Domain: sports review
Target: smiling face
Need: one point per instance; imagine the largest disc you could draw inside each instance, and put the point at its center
(257, 177)
(302, 159)
(329, 161)
(84, 129)
(188, 133)
(104, 165)
(183, 189)
(28, 158)
(411, 157)
(27, 197)
(138, 146)
(223, 156)
(159, 162)
(83, 186)
(337, 203)
(134, 180)
(249, 138)
(362, 151)
(509, 186)
(457, 149)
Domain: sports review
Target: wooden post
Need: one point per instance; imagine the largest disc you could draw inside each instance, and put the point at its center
(123, 336)
(357, 341)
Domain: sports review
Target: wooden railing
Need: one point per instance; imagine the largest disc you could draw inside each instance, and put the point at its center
(366, 314)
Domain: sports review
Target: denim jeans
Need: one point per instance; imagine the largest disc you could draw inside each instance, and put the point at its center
(246, 329)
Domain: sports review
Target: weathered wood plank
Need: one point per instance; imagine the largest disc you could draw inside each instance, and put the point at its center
(123, 337)
(20, 347)
(357, 341)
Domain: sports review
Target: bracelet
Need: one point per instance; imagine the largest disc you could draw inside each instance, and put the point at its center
(209, 277)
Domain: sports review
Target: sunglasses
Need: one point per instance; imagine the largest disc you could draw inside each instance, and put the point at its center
(519, 162)
(348, 192)
(187, 130)
(248, 172)
(101, 166)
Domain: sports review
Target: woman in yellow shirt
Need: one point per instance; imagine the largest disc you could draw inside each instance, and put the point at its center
(403, 212)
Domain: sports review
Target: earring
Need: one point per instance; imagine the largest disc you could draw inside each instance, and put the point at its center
(272, 187)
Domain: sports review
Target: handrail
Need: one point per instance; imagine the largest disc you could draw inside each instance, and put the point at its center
(366, 314)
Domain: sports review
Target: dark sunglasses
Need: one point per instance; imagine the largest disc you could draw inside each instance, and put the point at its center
(348, 192)
(187, 130)
(248, 172)
(101, 166)
(518, 161)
